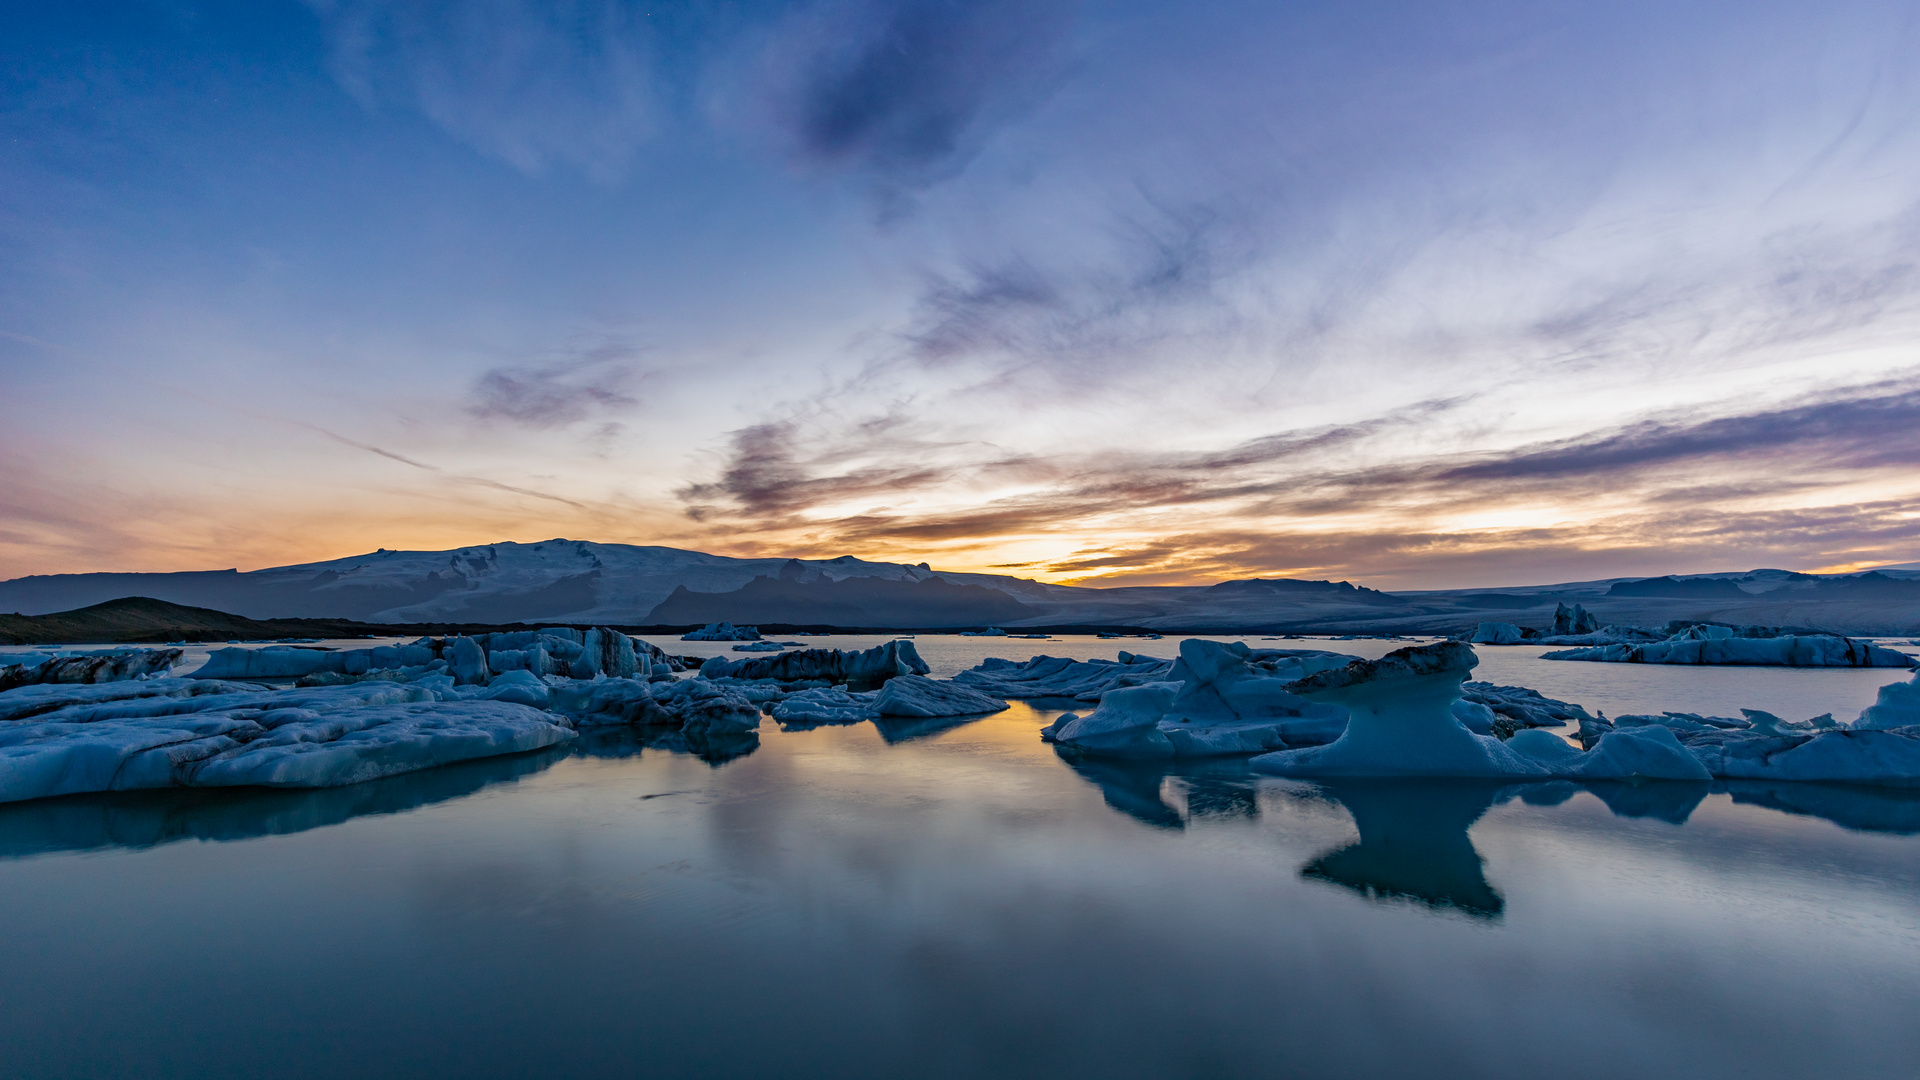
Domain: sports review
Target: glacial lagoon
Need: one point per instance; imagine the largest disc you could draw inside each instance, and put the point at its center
(956, 899)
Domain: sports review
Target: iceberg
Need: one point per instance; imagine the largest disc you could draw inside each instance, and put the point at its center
(820, 705)
(1898, 705)
(1052, 676)
(919, 696)
(242, 736)
(1497, 633)
(272, 662)
(1573, 621)
(722, 631)
(1527, 707)
(1216, 700)
(1703, 645)
(113, 665)
(904, 696)
(1401, 722)
(857, 669)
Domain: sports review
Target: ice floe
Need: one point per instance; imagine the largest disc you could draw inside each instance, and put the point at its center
(1216, 699)
(904, 696)
(863, 669)
(1054, 676)
(98, 666)
(1702, 645)
(1498, 633)
(722, 631)
(236, 735)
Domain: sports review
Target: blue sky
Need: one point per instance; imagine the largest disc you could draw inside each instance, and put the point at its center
(1411, 294)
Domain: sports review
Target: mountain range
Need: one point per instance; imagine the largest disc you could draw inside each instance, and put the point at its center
(581, 582)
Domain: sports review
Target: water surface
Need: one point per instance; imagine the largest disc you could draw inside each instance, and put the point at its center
(956, 900)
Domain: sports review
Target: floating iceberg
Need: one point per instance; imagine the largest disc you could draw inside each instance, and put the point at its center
(185, 736)
(722, 631)
(1573, 621)
(1898, 705)
(919, 696)
(1401, 721)
(1053, 676)
(1216, 700)
(113, 665)
(857, 669)
(1497, 633)
(1528, 707)
(471, 661)
(1700, 645)
(905, 696)
(759, 646)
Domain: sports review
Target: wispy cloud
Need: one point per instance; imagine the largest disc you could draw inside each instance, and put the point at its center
(560, 391)
(902, 92)
(535, 84)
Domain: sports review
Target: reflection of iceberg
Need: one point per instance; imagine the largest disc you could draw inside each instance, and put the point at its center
(1131, 788)
(1413, 844)
(150, 818)
(1205, 789)
(1867, 809)
(899, 729)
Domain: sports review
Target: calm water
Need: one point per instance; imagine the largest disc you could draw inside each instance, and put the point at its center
(960, 901)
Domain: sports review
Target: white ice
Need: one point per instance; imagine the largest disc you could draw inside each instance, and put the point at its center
(1715, 645)
(209, 734)
(1217, 699)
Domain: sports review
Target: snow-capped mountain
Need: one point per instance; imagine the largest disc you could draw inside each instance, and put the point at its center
(581, 582)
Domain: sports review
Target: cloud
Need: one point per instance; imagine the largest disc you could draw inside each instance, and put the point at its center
(558, 393)
(768, 475)
(1870, 427)
(535, 84)
(1377, 496)
(904, 91)
(451, 477)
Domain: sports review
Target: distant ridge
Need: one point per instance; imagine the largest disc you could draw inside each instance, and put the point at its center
(142, 619)
(582, 583)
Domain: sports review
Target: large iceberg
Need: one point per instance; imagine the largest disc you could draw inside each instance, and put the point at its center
(1699, 645)
(722, 631)
(1054, 676)
(1404, 723)
(904, 696)
(471, 661)
(1216, 700)
(110, 665)
(1401, 721)
(1497, 633)
(856, 668)
(183, 736)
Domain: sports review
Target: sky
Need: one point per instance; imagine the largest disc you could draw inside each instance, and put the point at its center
(1415, 295)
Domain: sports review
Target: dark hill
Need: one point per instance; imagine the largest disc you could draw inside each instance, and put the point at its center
(1295, 589)
(851, 602)
(142, 619)
(1673, 586)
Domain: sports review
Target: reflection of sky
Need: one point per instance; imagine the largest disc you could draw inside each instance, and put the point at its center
(960, 905)
(1412, 295)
